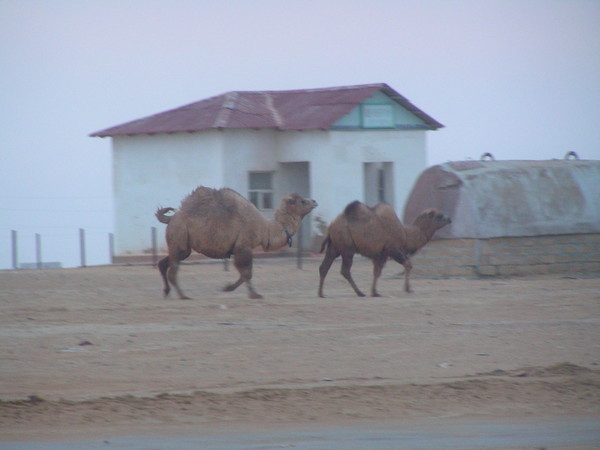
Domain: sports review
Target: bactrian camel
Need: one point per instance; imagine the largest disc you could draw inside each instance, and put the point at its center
(378, 234)
(221, 223)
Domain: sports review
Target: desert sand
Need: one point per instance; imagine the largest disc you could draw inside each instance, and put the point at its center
(90, 350)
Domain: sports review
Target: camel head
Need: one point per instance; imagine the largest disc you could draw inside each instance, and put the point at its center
(297, 205)
(431, 220)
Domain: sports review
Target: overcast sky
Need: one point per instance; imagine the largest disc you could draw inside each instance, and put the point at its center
(519, 79)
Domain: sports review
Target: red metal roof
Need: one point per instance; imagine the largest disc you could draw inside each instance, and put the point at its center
(303, 109)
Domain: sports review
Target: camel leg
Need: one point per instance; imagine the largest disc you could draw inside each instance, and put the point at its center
(346, 266)
(172, 269)
(330, 256)
(172, 277)
(407, 268)
(163, 265)
(378, 263)
(233, 286)
(407, 264)
(242, 260)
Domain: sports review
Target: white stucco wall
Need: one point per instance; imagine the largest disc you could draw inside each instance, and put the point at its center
(337, 163)
(158, 170)
(245, 151)
(350, 146)
(337, 171)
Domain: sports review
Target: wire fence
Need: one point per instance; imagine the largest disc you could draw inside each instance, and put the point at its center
(79, 248)
(51, 250)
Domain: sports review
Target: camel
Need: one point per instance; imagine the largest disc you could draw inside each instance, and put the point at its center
(378, 234)
(221, 223)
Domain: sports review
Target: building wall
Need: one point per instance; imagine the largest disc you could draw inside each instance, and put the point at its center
(405, 150)
(245, 151)
(509, 256)
(336, 164)
(158, 170)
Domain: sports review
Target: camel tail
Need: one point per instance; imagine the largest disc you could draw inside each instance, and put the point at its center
(161, 215)
(325, 244)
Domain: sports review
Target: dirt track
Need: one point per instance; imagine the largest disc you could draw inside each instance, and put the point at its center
(99, 348)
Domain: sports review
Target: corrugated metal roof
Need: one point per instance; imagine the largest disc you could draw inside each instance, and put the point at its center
(488, 199)
(304, 109)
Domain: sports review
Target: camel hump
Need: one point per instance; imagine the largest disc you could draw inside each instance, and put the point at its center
(384, 210)
(357, 211)
(387, 216)
(205, 201)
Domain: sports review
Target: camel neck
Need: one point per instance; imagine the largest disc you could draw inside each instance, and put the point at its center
(281, 230)
(416, 238)
(288, 222)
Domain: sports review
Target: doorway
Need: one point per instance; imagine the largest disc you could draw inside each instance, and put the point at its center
(378, 183)
(295, 177)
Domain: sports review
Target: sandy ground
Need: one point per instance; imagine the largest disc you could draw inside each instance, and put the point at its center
(86, 351)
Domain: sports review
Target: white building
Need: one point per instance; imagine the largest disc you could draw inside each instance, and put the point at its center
(335, 145)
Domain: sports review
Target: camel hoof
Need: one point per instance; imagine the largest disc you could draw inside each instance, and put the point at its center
(376, 294)
(185, 297)
(255, 295)
(229, 288)
(360, 294)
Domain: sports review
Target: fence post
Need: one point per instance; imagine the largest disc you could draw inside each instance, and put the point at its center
(154, 251)
(38, 250)
(15, 260)
(82, 246)
(111, 247)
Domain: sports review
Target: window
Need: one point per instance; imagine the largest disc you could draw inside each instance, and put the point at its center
(377, 116)
(261, 189)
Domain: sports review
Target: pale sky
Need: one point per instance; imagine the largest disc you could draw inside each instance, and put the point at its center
(517, 78)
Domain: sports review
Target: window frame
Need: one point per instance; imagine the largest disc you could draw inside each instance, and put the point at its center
(381, 184)
(372, 116)
(261, 194)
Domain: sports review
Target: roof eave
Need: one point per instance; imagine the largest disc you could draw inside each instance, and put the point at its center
(431, 123)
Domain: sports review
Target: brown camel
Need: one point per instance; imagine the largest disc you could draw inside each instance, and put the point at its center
(221, 223)
(378, 234)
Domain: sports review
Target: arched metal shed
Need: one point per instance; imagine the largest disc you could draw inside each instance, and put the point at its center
(511, 217)
(511, 198)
